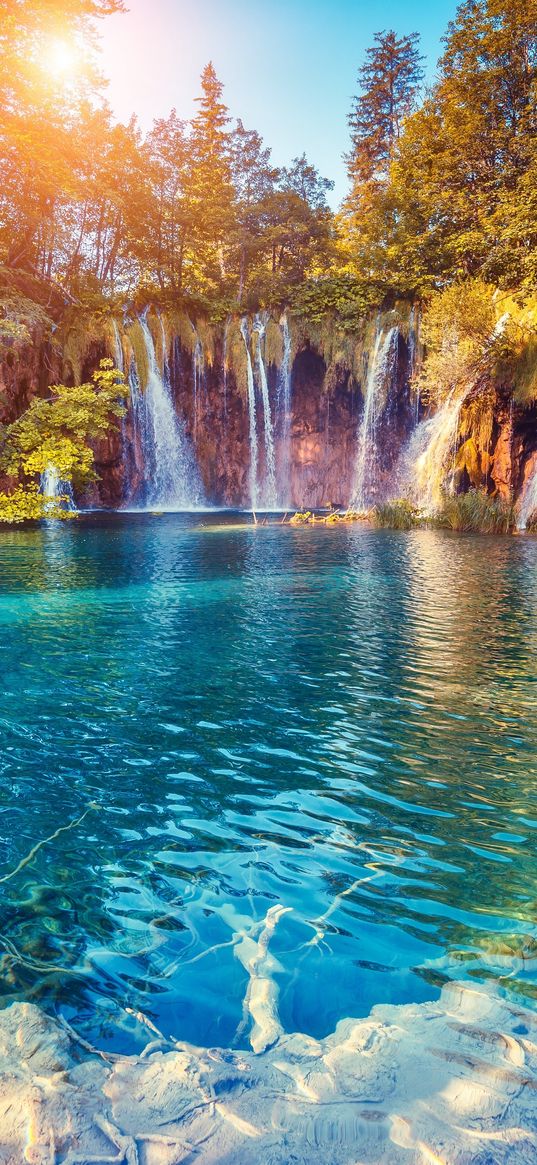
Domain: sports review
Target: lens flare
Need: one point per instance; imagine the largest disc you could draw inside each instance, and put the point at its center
(61, 57)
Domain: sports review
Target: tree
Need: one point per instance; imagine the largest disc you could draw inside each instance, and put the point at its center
(162, 245)
(389, 83)
(254, 180)
(39, 115)
(58, 432)
(208, 184)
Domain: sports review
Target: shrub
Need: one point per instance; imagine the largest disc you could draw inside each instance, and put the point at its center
(477, 512)
(397, 515)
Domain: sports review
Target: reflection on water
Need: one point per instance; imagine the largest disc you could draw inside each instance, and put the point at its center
(339, 720)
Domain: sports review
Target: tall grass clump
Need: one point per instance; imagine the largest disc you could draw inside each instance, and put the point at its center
(476, 512)
(396, 515)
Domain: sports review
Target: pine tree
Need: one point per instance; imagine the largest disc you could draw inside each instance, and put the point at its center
(389, 84)
(209, 188)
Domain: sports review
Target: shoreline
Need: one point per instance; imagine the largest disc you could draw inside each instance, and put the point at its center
(441, 1083)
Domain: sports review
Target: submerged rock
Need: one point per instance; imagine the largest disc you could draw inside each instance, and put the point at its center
(453, 1082)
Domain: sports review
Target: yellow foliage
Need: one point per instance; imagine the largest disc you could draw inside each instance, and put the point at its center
(27, 504)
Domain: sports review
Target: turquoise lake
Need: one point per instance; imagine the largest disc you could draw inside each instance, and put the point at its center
(340, 720)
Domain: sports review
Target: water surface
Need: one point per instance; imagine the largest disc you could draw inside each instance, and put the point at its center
(340, 720)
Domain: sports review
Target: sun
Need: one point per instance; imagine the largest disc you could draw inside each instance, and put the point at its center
(61, 58)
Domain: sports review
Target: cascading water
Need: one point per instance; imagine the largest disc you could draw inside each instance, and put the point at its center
(428, 464)
(284, 409)
(269, 498)
(528, 500)
(413, 347)
(381, 369)
(251, 415)
(198, 376)
(171, 479)
(118, 347)
(58, 493)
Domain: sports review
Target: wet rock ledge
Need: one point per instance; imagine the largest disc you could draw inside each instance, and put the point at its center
(449, 1082)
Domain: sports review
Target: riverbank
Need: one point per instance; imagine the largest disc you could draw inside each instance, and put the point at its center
(439, 1083)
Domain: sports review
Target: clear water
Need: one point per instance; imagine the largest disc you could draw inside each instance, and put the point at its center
(340, 720)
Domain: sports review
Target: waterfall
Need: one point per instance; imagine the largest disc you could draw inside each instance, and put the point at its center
(284, 408)
(171, 479)
(381, 365)
(252, 415)
(269, 493)
(528, 500)
(429, 458)
(198, 376)
(57, 492)
(413, 342)
(118, 347)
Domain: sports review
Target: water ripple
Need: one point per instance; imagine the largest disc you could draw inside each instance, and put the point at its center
(340, 720)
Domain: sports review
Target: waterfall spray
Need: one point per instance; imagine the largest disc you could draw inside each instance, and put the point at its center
(269, 493)
(198, 376)
(252, 415)
(171, 479)
(382, 363)
(58, 493)
(428, 467)
(284, 408)
(528, 500)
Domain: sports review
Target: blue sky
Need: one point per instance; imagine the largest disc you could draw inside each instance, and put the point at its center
(289, 68)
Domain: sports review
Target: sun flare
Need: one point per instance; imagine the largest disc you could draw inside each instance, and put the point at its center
(61, 57)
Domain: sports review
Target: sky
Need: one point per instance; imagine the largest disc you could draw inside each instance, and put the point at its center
(289, 67)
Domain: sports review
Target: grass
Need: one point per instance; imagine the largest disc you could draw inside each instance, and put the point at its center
(397, 515)
(476, 512)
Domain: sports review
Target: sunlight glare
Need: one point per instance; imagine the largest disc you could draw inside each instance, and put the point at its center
(61, 57)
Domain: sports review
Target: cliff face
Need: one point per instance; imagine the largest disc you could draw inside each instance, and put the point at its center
(26, 370)
(274, 413)
(311, 439)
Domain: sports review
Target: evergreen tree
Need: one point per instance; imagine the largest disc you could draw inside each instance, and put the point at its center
(463, 181)
(209, 186)
(389, 83)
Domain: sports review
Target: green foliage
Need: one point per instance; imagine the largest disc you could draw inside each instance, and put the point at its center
(450, 191)
(397, 515)
(342, 295)
(477, 512)
(463, 334)
(389, 83)
(58, 431)
(19, 315)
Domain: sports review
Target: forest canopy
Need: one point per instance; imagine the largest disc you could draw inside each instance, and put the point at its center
(442, 181)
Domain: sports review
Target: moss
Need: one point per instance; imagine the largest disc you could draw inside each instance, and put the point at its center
(179, 325)
(207, 335)
(136, 340)
(79, 332)
(273, 343)
(236, 356)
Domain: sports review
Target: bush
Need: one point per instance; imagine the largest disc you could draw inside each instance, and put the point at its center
(476, 512)
(397, 515)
